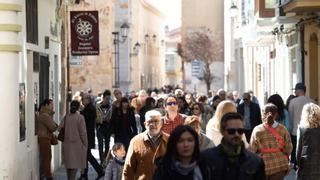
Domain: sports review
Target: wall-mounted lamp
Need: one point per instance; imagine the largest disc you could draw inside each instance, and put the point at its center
(233, 10)
(154, 37)
(136, 49)
(146, 37)
(162, 42)
(124, 28)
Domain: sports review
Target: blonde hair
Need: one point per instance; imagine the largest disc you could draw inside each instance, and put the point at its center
(310, 116)
(222, 108)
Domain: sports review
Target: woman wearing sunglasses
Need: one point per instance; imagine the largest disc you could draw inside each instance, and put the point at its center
(271, 140)
(172, 118)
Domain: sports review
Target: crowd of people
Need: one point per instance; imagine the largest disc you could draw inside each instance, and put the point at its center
(178, 135)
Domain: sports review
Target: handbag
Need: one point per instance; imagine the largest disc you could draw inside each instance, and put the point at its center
(61, 132)
(54, 140)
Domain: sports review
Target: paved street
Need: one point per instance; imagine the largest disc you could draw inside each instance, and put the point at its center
(61, 173)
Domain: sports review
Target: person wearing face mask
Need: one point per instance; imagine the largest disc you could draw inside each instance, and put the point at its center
(144, 148)
(230, 159)
(271, 140)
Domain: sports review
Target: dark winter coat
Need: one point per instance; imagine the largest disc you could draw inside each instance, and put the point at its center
(166, 171)
(255, 113)
(308, 153)
(89, 113)
(249, 166)
(122, 133)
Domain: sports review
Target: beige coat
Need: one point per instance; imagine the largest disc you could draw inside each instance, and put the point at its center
(75, 144)
(141, 156)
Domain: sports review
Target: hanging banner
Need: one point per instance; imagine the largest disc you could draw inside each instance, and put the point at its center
(84, 29)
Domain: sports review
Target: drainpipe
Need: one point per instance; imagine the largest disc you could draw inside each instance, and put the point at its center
(302, 53)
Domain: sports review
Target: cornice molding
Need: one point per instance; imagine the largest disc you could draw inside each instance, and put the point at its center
(10, 27)
(10, 7)
(10, 48)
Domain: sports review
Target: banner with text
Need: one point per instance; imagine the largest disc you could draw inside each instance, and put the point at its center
(84, 28)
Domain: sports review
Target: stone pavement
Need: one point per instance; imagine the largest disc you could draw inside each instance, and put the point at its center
(61, 173)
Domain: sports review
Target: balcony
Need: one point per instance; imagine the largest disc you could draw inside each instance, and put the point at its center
(300, 6)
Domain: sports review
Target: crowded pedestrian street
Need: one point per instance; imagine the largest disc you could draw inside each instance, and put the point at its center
(159, 89)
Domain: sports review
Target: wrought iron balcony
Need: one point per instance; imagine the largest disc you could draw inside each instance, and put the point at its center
(300, 6)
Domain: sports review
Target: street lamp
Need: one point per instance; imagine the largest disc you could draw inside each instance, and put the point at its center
(124, 28)
(136, 49)
(233, 10)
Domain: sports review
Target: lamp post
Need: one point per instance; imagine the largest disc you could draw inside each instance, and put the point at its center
(124, 28)
(233, 10)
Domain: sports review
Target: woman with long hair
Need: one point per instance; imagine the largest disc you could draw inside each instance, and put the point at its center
(75, 144)
(123, 123)
(308, 146)
(213, 126)
(115, 162)
(282, 114)
(182, 158)
(198, 110)
(195, 123)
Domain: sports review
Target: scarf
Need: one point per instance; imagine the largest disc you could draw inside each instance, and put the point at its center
(186, 169)
(119, 161)
(232, 152)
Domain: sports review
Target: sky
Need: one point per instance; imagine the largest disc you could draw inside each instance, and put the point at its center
(172, 9)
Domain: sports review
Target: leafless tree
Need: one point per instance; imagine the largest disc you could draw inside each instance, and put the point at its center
(203, 45)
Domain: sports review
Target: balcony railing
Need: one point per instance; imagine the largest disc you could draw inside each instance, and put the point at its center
(300, 6)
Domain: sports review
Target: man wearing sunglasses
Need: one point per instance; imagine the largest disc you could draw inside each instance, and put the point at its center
(230, 160)
(272, 142)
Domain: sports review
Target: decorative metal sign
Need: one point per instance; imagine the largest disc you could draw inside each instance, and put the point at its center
(84, 28)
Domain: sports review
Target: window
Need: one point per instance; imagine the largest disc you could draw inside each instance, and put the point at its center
(265, 8)
(32, 21)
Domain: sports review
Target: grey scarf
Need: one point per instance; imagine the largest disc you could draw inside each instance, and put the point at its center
(186, 169)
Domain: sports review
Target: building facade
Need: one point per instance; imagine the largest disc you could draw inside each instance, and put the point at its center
(207, 14)
(147, 66)
(31, 66)
(95, 72)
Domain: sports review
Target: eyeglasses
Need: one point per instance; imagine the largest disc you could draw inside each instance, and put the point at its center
(171, 103)
(232, 131)
(153, 122)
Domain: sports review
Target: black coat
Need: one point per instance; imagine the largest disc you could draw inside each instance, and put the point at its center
(255, 113)
(123, 134)
(165, 171)
(89, 113)
(249, 167)
(308, 153)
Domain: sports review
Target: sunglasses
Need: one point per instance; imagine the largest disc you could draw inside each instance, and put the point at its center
(195, 109)
(171, 103)
(232, 131)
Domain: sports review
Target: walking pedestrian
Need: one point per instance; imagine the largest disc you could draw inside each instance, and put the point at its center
(295, 109)
(271, 140)
(204, 141)
(308, 147)
(182, 158)
(115, 162)
(214, 125)
(144, 148)
(282, 114)
(230, 160)
(123, 123)
(46, 127)
(103, 113)
(89, 113)
(172, 118)
(75, 144)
